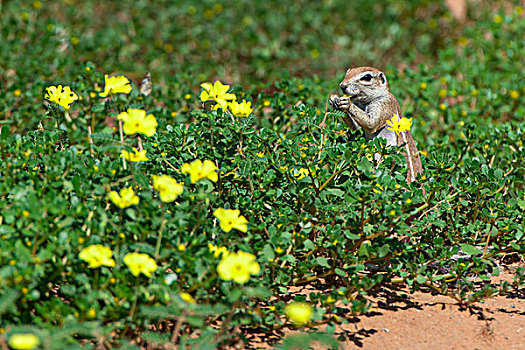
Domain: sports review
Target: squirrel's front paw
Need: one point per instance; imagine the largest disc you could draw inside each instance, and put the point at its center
(344, 103)
(334, 101)
(340, 103)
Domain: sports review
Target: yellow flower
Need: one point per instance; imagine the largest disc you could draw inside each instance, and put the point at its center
(136, 156)
(136, 121)
(299, 313)
(140, 263)
(187, 297)
(399, 125)
(378, 189)
(115, 85)
(126, 198)
(217, 251)
(199, 170)
(169, 189)
(25, 341)
(243, 109)
(217, 92)
(97, 255)
(231, 218)
(238, 267)
(300, 173)
(514, 94)
(62, 96)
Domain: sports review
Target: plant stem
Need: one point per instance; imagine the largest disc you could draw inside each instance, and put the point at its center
(228, 319)
(95, 279)
(488, 239)
(133, 306)
(122, 142)
(336, 172)
(178, 325)
(159, 238)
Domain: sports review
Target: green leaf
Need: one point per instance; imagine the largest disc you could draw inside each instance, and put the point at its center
(155, 337)
(8, 299)
(98, 107)
(364, 165)
(268, 252)
(421, 279)
(470, 249)
(141, 178)
(234, 295)
(323, 262)
(309, 245)
(4, 133)
(5, 229)
(335, 192)
(258, 292)
(340, 272)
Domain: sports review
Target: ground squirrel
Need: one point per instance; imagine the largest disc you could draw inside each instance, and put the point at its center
(369, 104)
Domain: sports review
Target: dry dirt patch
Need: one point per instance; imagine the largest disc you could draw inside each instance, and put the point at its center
(400, 320)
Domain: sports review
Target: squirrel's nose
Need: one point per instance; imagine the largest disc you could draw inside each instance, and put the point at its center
(343, 86)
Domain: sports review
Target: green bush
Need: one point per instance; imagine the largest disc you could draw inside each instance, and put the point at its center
(320, 209)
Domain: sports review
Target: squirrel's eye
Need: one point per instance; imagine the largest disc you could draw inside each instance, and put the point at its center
(366, 77)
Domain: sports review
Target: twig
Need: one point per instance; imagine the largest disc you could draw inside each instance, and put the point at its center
(171, 165)
(90, 140)
(178, 325)
(3, 344)
(488, 238)
(122, 142)
(228, 320)
(159, 238)
(409, 157)
(312, 278)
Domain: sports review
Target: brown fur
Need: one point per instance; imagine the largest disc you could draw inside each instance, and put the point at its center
(369, 106)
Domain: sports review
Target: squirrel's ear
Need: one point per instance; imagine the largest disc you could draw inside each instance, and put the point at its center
(382, 79)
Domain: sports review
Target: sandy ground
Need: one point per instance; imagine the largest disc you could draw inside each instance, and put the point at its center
(400, 320)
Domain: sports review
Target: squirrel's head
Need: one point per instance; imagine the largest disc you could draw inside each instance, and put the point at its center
(364, 84)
